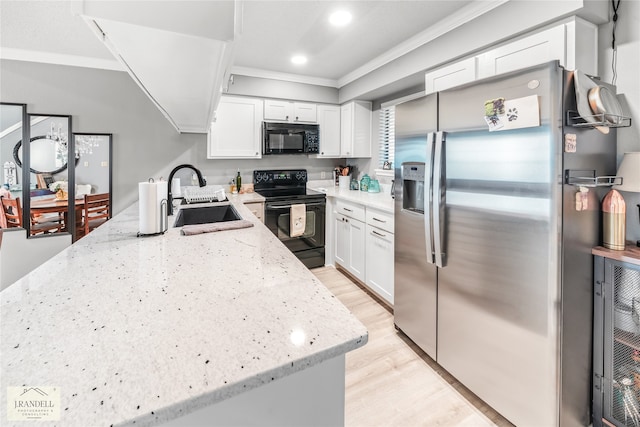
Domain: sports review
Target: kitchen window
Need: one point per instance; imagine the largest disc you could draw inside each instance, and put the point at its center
(387, 129)
(386, 135)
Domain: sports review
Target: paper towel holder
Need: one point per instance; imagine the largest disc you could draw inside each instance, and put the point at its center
(164, 217)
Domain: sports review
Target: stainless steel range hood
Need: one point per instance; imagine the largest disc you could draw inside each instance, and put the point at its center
(179, 53)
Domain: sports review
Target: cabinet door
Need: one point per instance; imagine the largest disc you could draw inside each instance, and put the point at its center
(451, 75)
(362, 129)
(329, 123)
(305, 112)
(277, 110)
(346, 130)
(357, 240)
(379, 271)
(256, 208)
(237, 130)
(532, 50)
(355, 129)
(341, 240)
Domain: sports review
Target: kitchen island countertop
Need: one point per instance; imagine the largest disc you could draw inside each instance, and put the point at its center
(140, 330)
(382, 200)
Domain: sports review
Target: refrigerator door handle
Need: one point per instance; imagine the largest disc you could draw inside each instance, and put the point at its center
(428, 200)
(439, 184)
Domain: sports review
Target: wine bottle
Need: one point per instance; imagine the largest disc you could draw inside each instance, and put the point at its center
(238, 182)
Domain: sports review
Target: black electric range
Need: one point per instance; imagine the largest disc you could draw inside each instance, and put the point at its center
(283, 189)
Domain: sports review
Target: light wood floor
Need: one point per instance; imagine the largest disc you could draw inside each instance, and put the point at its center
(390, 381)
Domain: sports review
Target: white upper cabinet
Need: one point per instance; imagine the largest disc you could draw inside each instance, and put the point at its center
(286, 111)
(355, 129)
(329, 123)
(237, 129)
(573, 43)
(536, 49)
(455, 74)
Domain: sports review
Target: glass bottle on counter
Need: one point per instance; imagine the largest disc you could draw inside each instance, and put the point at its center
(238, 182)
(364, 183)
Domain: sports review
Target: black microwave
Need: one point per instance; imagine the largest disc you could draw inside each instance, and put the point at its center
(290, 138)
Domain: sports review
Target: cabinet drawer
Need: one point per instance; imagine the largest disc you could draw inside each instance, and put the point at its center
(351, 210)
(380, 219)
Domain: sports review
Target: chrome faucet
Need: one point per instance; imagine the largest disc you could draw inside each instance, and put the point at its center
(201, 182)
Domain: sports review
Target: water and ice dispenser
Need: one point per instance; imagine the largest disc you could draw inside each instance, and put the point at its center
(413, 186)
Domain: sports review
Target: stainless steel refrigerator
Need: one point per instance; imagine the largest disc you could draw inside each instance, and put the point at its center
(493, 265)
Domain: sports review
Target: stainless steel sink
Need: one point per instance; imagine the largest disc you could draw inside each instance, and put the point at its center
(188, 215)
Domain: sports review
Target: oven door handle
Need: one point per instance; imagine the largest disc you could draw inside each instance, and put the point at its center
(289, 206)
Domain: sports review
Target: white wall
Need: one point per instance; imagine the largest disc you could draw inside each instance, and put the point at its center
(19, 255)
(628, 84)
(145, 145)
(505, 22)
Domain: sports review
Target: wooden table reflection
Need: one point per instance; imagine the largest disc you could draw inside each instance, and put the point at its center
(49, 205)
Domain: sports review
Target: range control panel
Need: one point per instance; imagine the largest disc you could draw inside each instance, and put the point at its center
(270, 178)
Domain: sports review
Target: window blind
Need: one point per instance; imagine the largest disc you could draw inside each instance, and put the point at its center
(386, 137)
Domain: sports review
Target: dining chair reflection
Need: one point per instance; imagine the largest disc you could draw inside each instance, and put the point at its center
(95, 212)
(12, 211)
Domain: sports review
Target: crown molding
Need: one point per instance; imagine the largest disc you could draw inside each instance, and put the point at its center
(59, 59)
(464, 15)
(275, 75)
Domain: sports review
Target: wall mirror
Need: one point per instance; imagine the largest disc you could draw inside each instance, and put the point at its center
(50, 148)
(12, 117)
(48, 156)
(93, 178)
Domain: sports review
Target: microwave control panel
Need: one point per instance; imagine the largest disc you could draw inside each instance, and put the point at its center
(313, 144)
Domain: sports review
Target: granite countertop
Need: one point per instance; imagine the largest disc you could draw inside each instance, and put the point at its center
(382, 200)
(142, 330)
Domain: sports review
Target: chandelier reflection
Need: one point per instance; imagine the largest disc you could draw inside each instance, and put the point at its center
(84, 144)
(60, 141)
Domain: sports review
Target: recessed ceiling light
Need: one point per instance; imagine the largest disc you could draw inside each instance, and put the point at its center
(340, 18)
(299, 59)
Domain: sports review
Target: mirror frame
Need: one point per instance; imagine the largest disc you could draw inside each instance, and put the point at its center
(32, 170)
(110, 160)
(26, 171)
(26, 132)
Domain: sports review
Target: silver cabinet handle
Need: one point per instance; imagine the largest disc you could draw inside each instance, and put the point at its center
(379, 220)
(289, 206)
(374, 232)
(348, 210)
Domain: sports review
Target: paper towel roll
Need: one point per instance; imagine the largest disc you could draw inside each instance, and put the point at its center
(152, 215)
(175, 188)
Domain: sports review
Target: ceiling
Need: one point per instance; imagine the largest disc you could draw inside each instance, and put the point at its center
(272, 31)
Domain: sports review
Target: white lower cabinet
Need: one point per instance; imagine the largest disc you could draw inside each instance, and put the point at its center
(379, 272)
(363, 245)
(350, 245)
